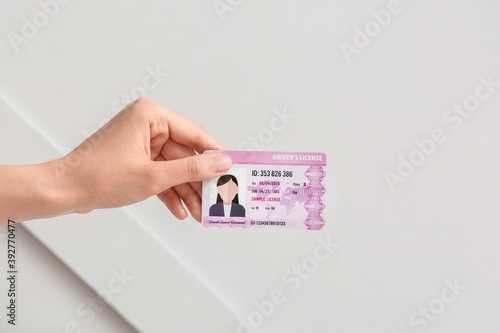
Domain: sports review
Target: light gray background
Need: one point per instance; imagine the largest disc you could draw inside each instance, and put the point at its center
(231, 74)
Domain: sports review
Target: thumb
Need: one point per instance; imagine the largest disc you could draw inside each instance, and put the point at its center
(190, 169)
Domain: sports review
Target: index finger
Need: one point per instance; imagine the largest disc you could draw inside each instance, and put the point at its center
(185, 131)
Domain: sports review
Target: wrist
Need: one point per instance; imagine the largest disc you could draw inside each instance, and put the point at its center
(64, 189)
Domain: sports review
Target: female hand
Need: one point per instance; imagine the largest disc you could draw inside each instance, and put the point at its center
(145, 150)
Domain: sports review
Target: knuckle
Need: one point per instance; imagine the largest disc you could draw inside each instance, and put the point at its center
(143, 100)
(142, 108)
(193, 168)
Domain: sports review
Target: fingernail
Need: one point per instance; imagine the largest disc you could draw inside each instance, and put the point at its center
(222, 163)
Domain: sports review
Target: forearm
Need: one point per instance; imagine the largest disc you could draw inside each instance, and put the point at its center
(35, 191)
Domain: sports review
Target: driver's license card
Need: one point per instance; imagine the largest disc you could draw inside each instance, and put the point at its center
(267, 190)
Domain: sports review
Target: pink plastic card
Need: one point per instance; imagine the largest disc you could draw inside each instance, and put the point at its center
(267, 190)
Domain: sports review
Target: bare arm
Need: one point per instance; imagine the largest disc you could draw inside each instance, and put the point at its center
(144, 150)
